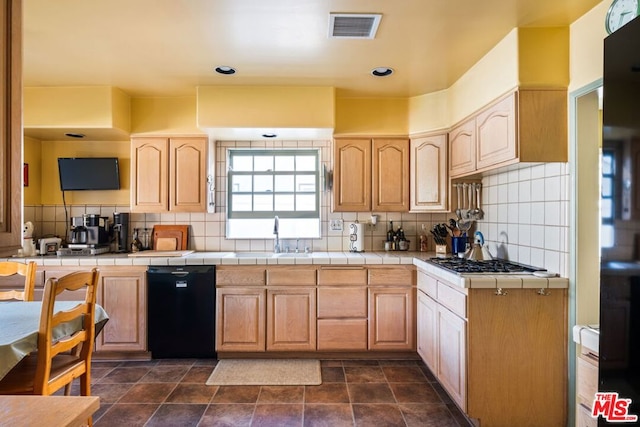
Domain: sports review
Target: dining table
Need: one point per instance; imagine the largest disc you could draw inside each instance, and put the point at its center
(20, 323)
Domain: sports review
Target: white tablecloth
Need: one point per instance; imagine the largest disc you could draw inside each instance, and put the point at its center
(19, 324)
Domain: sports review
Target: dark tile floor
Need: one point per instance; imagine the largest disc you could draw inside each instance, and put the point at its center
(353, 393)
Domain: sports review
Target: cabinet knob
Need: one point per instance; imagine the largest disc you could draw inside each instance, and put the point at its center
(543, 292)
(500, 292)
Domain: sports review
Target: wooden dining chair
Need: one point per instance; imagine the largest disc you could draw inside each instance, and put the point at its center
(59, 361)
(28, 271)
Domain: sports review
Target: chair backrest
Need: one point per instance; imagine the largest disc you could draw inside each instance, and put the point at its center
(80, 343)
(28, 271)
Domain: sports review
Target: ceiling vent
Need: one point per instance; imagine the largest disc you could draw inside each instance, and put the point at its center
(353, 25)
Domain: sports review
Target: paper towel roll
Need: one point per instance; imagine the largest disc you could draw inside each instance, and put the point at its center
(356, 237)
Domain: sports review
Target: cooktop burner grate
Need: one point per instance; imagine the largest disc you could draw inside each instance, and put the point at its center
(494, 266)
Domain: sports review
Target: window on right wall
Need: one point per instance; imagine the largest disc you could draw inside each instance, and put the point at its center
(607, 198)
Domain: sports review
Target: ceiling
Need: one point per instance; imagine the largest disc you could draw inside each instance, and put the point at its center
(169, 47)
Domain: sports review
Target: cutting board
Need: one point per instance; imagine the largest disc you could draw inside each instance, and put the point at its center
(170, 237)
(160, 253)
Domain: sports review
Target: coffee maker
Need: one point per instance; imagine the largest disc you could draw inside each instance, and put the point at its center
(78, 232)
(97, 229)
(121, 231)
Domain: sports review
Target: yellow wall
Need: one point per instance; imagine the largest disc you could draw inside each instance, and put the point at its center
(76, 107)
(543, 57)
(372, 116)
(32, 157)
(50, 182)
(164, 115)
(429, 112)
(587, 46)
(265, 107)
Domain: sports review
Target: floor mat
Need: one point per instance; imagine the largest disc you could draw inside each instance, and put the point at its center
(266, 372)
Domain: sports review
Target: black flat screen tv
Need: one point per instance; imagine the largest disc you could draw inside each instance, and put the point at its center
(88, 173)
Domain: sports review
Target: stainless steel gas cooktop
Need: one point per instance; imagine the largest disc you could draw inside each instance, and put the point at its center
(494, 266)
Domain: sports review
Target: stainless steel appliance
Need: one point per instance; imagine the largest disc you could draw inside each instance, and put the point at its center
(78, 233)
(181, 311)
(492, 266)
(619, 353)
(121, 231)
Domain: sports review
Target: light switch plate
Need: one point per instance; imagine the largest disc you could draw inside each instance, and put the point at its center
(335, 225)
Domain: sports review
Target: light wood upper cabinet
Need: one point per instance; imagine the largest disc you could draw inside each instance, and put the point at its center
(168, 174)
(371, 175)
(428, 173)
(352, 175)
(11, 126)
(523, 126)
(462, 148)
(390, 175)
(496, 132)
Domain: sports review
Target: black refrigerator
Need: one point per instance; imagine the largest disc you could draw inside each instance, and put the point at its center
(618, 398)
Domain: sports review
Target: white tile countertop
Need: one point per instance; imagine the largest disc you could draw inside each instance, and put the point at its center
(314, 258)
(233, 258)
(588, 336)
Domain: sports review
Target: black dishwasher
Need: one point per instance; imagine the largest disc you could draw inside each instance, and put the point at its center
(181, 311)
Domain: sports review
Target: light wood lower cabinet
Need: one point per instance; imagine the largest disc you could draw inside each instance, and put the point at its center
(291, 319)
(586, 388)
(122, 292)
(240, 319)
(391, 319)
(342, 308)
(501, 358)
(302, 308)
(123, 295)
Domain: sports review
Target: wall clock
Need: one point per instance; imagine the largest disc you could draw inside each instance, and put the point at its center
(620, 12)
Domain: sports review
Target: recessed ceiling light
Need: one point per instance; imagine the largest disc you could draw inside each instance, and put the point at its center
(223, 69)
(382, 71)
(74, 135)
(269, 135)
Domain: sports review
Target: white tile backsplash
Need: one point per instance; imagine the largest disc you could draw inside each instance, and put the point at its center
(526, 215)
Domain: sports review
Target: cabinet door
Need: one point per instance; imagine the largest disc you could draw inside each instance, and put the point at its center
(187, 174)
(240, 314)
(291, 319)
(352, 175)
(452, 359)
(496, 133)
(11, 127)
(429, 175)
(149, 175)
(462, 148)
(123, 296)
(426, 330)
(390, 171)
(391, 319)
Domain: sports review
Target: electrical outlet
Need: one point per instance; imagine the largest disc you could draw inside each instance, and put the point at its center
(335, 225)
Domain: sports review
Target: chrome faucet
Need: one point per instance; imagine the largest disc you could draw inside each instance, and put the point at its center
(276, 231)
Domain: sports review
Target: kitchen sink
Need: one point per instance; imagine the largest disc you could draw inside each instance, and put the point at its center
(292, 255)
(249, 255)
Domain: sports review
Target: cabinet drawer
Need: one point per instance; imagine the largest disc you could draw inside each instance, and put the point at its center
(390, 276)
(453, 300)
(587, 381)
(291, 276)
(427, 284)
(342, 334)
(342, 276)
(342, 302)
(240, 276)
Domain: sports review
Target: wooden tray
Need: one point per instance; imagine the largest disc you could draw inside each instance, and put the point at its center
(178, 232)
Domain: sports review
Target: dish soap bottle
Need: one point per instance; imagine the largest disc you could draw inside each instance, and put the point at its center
(423, 241)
